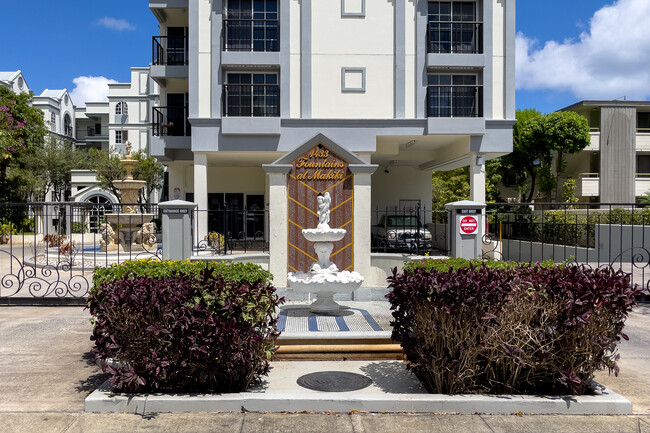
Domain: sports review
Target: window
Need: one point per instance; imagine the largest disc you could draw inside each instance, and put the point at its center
(252, 95)
(121, 136)
(67, 125)
(643, 122)
(251, 25)
(454, 28)
(52, 121)
(454, 95)
(122, 108)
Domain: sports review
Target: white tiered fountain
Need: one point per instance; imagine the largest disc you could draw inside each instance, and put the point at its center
(324, 278)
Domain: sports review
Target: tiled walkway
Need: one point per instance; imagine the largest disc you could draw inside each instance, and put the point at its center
(353, 317)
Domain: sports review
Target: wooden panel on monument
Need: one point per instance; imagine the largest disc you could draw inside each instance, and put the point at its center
(319, 170)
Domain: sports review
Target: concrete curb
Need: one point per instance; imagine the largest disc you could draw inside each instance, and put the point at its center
(609, 403)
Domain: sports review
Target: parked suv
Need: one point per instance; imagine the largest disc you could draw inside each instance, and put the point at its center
(400, 232)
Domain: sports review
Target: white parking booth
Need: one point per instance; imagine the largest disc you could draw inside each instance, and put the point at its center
(466, 225)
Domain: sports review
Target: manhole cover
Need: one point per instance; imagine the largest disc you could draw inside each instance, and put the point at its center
(334, 381)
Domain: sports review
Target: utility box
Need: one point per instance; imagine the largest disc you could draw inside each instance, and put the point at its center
(466, 225)
(177, 217)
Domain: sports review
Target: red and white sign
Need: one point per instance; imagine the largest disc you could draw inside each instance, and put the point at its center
(468, 225)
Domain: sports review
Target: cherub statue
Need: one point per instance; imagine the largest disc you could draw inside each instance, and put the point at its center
(324, 201)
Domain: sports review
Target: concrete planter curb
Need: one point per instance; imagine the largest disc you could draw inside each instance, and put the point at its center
(393, 390)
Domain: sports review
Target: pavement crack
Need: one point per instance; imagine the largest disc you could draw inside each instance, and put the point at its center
(76, 418)
(357, 423)
(486, 424)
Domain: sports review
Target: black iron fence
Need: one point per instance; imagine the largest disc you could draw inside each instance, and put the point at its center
(596, 235)
(409, 229)
(49, 250)
(231, 231)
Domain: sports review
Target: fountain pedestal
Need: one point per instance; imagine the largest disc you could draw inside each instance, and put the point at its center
(324, 278)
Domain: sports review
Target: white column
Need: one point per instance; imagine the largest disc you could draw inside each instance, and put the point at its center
(362, 220)
(477, 178)
(278, 217)
(201, 194)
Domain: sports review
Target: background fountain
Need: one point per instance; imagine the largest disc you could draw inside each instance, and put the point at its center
(128, 230)
(324, 278)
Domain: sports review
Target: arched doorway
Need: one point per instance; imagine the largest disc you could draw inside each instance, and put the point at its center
(99, 206)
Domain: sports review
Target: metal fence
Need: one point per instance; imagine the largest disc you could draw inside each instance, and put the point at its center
(232, 231)
(409, 229)
(49, 250)
(597, 235)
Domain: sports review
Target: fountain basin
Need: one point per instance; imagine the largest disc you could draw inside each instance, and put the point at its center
(324, 285)
(323, 235)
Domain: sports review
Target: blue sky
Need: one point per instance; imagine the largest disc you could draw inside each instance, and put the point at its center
(567, 50)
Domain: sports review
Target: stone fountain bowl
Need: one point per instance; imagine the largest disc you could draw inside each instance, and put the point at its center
(339, 282)
(323, 235)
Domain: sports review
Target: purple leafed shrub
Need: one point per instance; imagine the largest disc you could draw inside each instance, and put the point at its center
(526, 329)
(184, 333)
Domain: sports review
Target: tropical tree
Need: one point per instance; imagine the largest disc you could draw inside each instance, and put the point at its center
(21, 129)
(109, 169)
(540, 146)
(48, 169)
(454, 185)
(151, 171)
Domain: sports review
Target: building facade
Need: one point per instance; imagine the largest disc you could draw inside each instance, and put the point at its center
(615, 167)
(394, 89)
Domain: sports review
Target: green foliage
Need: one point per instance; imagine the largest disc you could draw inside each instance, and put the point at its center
(246, 272)
(517, 329)
(151, 171)
(454, 264)
(216, 240)
(108, 167)
(79, 227)
(48, 168)
(184, 327)
(569, 191)
(21, 129)
(538, 140)
(453, 185)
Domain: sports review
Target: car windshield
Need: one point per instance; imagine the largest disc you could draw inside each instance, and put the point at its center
(403, 221)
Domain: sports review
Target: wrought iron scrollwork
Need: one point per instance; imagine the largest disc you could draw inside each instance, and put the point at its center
(43, 281)
(491, 240)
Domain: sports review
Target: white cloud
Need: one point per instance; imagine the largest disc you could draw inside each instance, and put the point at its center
(610, 59)
(118, 24)
(90, 89)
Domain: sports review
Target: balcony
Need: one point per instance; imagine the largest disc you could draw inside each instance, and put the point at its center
(589, 184)
(251, 109)
(446, 37)
(170, 122)
(169, 58)
(93, 134)
(251, 35)
(455, 101)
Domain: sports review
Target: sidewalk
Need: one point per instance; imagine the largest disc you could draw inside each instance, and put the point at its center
(45, 375)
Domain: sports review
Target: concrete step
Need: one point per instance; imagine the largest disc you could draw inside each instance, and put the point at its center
(326, 349)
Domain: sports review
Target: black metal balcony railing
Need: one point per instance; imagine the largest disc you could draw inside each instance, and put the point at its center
(251, 35)
(454, 101)
(455, 37)
(169, 50)
(251, 100)
(91, 132)
(171, 121)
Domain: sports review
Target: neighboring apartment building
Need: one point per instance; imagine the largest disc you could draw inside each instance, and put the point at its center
(396, 89)
(615, 167)
(14, 81)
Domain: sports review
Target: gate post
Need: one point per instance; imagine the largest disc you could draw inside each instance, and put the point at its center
(177, 217)
(466, 227)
